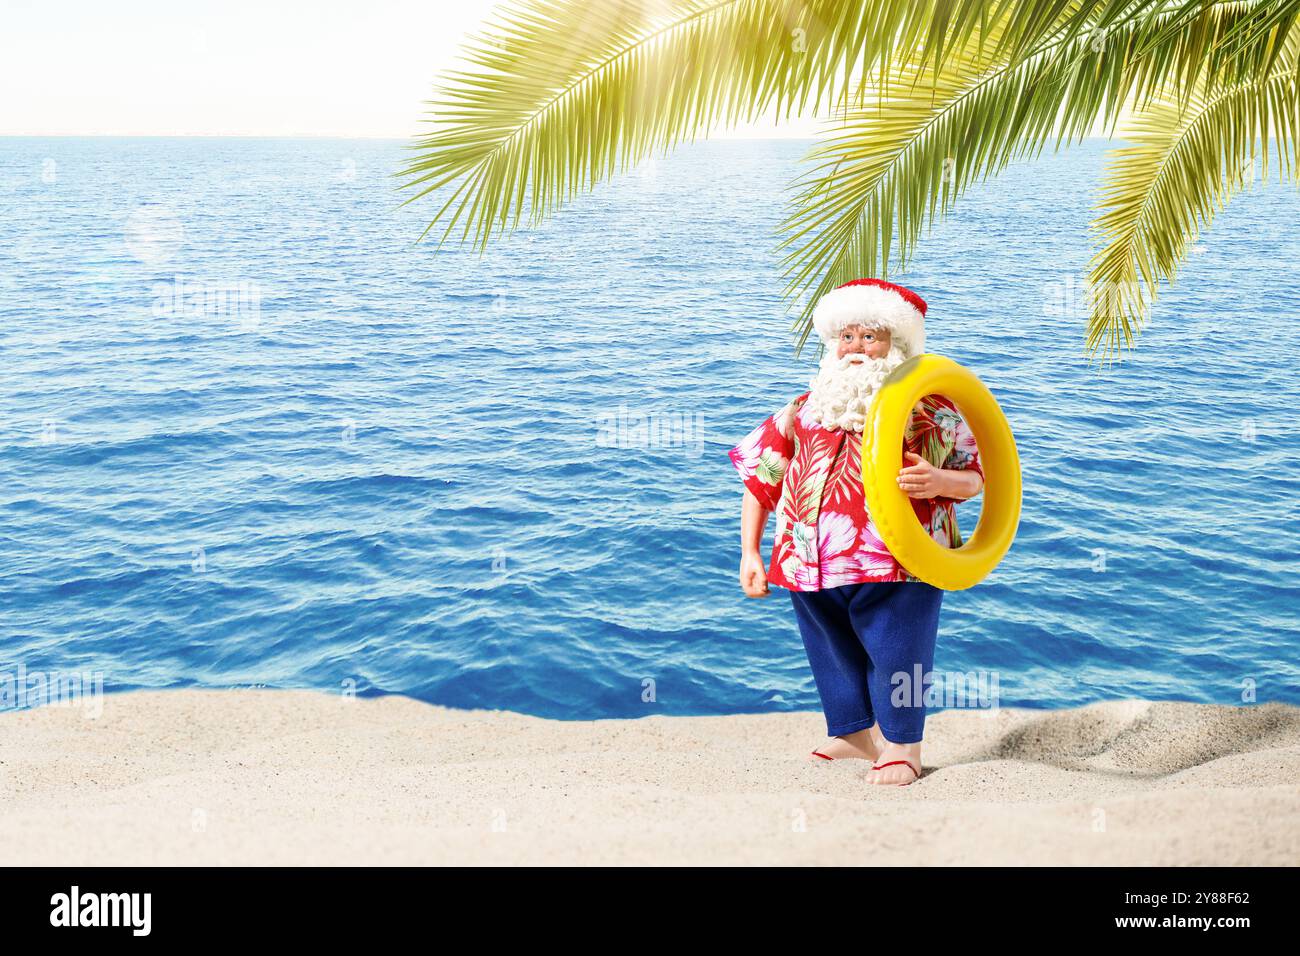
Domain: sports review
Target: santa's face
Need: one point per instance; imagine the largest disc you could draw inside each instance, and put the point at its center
(860, 340)
(841, 392)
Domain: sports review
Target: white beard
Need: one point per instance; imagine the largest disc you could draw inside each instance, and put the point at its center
(842, 391)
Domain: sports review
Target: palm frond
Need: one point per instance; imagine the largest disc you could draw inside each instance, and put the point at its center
(917, 146)
(889, 165)
(1181, 39)
(559, 94)
(1189, 157)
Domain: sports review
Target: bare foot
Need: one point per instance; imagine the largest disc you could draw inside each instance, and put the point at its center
(862, 745)
(897, 774)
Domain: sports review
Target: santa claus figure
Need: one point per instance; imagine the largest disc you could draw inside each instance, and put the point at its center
(869, 627)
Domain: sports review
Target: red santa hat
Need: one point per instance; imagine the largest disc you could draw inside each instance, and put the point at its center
(876, 304)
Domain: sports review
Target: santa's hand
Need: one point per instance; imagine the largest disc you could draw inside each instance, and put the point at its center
(920, 479)
(753, 577)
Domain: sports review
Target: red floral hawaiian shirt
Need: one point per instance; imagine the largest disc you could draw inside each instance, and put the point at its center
(812, 478)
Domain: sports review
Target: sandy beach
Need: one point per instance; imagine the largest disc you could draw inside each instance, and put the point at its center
(302, 777)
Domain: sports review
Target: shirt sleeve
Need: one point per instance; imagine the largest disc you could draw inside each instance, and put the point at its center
(763, 456)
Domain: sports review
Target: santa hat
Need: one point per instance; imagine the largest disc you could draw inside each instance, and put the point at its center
(876, 304)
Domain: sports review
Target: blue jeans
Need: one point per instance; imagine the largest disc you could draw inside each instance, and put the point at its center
(865, 643)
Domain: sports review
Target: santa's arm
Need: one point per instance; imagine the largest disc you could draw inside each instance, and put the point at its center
(959, 483)
(919, 478)
(753, 576)
(753, 518)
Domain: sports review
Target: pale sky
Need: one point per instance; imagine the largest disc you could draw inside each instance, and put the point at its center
(236, 68)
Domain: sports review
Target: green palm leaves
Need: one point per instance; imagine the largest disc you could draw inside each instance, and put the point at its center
(921, 98)
(564, 92)
(1190, 154)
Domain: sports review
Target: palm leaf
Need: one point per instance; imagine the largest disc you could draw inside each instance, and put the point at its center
(561, 93)
(881, 173)
(1187, 159)
(1164, 39)
(886, 167)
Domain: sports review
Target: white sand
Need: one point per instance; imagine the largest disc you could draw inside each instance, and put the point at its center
(260, 776)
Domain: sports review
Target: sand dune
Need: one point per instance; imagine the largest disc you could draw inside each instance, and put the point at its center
(260, 776)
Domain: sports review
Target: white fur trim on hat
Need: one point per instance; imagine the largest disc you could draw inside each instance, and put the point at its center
(875, 307)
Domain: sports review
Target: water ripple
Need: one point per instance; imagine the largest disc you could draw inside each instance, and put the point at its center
(252, 434)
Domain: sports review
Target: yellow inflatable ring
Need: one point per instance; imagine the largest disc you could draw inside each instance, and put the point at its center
(952, 569)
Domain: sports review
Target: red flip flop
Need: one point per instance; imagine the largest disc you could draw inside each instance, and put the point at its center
(892, 762)
(817, 753)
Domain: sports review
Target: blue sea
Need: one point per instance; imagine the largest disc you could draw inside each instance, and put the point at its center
(253, 433)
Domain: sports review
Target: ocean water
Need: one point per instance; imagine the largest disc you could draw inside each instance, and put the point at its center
(253, 433)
